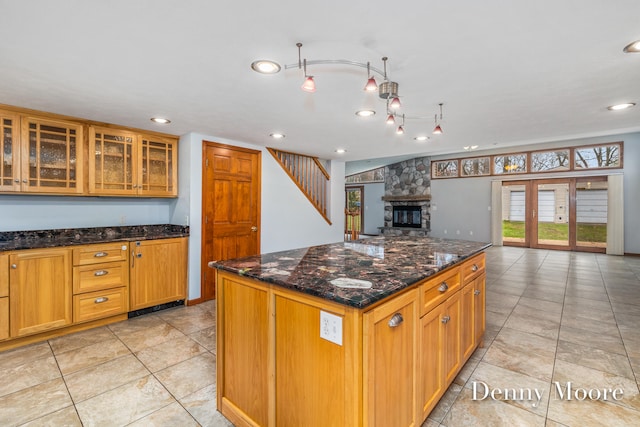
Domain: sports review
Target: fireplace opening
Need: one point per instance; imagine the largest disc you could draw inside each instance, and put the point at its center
(407, 216)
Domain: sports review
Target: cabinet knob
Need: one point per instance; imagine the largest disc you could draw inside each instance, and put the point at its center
(443, 287)
(14, 266)
(446, 319)
(100, 254)
(476, 292)
(25, 181)
(395, 320)
(101, 300)
(16, 180)
(474, 268)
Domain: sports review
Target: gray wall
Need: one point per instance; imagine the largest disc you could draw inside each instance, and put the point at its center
(373, 207)
(460, 207)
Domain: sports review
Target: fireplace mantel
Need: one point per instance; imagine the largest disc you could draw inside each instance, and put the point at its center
(414, 198)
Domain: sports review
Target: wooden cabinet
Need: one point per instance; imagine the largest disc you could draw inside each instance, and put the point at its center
(158, 272)
(100, 281)
(40, 155)
(4, 297)
(52, 156)
(40, 290)
(389, 365)
(10, 151)
(390, 351)
(125, 163)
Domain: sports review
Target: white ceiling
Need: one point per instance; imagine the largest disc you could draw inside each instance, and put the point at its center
(509, 72)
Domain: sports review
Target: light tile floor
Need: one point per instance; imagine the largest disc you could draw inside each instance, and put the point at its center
(554, 319)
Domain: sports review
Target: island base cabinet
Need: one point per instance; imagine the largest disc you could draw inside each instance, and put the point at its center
(314, 377)
(389, 353)
(243, 368)
(40, 290)
(158, 272)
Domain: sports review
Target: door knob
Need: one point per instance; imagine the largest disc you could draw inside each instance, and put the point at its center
(254, 228)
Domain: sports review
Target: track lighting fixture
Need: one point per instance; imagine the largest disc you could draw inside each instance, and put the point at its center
(387, 89)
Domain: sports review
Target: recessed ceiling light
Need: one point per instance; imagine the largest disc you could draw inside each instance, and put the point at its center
(365, 113)
(341, 150)
(633, 47)
(621, 106)
(277, 135)
(421, 138)
(265, 66)
(160, 120)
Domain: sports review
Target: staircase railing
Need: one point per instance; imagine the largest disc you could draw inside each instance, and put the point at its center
(309, 175)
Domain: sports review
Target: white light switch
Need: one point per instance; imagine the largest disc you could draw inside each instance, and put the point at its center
(331, 327)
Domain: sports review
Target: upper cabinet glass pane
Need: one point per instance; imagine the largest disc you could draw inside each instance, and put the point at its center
(550, 161)
(601, 156)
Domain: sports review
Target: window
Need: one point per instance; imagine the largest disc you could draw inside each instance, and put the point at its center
(444, 169)
(510, 163)
(600, 156)
(550, 161)
(477, 166)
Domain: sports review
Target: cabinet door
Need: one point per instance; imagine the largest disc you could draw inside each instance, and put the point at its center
(243, 373)
(10, 151)
(479, 308)
(158, 272)
(158, 173)
(112, 162)
(390, 353)
(51, 156)
(430, 362)
(40, 289)
(450, 318)
(467, 321)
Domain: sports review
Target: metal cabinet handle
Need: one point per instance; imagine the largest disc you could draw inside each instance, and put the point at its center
(443, 287)
(100, 254)
(101, 273)
(14, 266)
(25, 181)
(446, 319)
(101, 300)
(476, 292)
(395, 320)
(133, 258)
(474, 268)
(16, 180)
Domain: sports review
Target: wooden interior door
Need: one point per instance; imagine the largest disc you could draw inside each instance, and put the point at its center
(230, 207)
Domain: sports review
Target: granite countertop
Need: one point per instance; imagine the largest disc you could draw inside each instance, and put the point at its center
(389, 263)
(16, 240)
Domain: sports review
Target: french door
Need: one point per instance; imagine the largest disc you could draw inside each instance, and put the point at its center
(566, 213)
(354, 218)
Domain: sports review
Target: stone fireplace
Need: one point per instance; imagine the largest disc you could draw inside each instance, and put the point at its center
(407, 198)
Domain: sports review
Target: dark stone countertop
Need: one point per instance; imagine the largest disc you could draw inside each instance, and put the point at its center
(33, 239)
(390, 263)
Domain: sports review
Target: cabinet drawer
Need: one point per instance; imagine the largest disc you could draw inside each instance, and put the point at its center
(436, 290)
(4, 318)
(4, 275)
(95, 305)
(472, 268)
(103, 252)
(95, 277)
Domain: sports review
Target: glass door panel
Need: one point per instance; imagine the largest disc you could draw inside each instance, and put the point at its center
(354, 223)
(515, 208)
(9, 152)
(591, 214)
(552, 214)
(112, 161)
(158, 166)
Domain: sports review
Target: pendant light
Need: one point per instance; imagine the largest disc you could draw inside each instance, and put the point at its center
(400, 129)
(309, 84)
(391, 117)
(437, 130)
(371, 82)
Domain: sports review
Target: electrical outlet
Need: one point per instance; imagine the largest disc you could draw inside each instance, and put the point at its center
(331, 327)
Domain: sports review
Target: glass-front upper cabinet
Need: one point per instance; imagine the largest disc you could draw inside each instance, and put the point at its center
(126, 163)
(159, 171)
(112, 161)
(10, 151)
(51, 157)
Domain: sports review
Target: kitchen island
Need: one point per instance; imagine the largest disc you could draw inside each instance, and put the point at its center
(367, 332)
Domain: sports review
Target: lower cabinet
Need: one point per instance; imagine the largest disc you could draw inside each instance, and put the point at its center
(389, 356)
(158, 272)
(40, 290)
